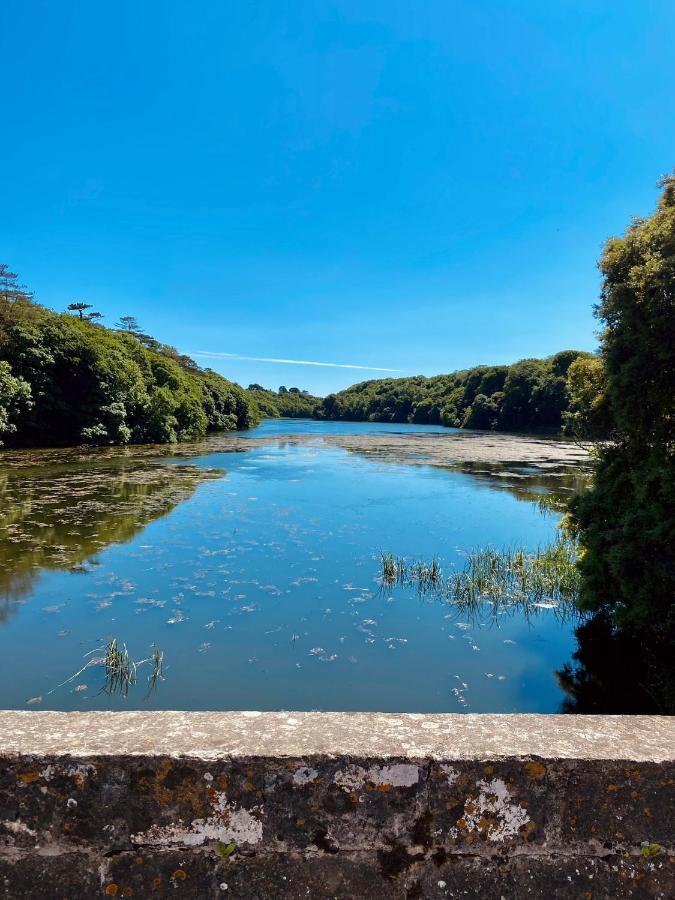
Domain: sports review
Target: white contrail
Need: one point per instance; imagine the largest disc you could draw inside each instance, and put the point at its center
(207, 354)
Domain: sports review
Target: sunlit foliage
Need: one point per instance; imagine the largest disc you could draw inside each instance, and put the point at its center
(626, 521)
(529, 395)
(67, 380)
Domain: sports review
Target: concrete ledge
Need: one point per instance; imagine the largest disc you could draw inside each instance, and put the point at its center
(337, 805)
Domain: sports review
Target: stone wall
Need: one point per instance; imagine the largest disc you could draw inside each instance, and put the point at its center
(286, 805)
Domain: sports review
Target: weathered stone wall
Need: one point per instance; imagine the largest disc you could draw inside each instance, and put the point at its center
(281, 805)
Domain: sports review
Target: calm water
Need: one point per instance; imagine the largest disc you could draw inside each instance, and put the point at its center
(256, 572)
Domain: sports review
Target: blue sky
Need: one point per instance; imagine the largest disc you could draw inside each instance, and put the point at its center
(418, 185)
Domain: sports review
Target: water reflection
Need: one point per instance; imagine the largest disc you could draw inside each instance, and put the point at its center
(616, 673)
(62, 516)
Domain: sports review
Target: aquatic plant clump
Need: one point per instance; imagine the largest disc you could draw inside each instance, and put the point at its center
(119, 669)
(547, 578)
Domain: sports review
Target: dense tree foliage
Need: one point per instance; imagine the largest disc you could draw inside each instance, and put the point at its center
(64, 379)
(288, 403)
(626, 521)
(528, 395)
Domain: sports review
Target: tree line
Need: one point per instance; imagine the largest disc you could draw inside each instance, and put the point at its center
(65, 379)
(563, 392)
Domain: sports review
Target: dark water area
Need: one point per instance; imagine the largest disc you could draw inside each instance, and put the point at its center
(252, 561)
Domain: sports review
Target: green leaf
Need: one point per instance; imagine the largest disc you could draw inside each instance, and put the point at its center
(226, 850)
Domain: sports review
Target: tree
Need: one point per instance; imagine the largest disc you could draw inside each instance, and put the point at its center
(79, 308)
(625, 522)
(10, 289)
(93, 316)
(15, 397)
(483, 413)
(128, 323)
(587, 416)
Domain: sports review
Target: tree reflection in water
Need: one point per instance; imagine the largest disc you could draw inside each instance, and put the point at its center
(614, 672)
(60, 517)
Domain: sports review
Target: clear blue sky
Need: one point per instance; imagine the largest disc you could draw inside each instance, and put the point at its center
(419, 185)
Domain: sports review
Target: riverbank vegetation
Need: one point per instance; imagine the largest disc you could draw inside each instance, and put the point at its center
(564, 391)
(65, 379)
(625, 522)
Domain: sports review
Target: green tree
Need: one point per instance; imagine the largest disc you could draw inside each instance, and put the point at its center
(626, 522)
(15, 397)
(129, 324)
(587, 416)
(79, 307)
(10, 289)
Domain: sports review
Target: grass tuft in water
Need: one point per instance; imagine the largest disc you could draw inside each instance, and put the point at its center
(120, 670)
(500, 579)
(397, 570)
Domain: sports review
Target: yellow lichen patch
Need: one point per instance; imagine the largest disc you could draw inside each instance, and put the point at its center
(138, 860)
(248, 785)
(164, 769)
(127, 891)
(28, 777)
(634, 794)
(180, 875)
(489, 770)
(612, 787)
(384, 788)
(527, 830)
(535, 770)
(648, 812)
(299, 823)
(112, 889)
(156, 882)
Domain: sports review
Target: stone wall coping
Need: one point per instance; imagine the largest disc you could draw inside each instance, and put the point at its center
(213, 735)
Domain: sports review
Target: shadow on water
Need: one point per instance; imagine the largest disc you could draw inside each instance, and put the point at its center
(614, 672)
(60, 516)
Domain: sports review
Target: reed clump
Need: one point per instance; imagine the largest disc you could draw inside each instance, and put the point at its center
(397, 570)
(501, 579)
(119, 669)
